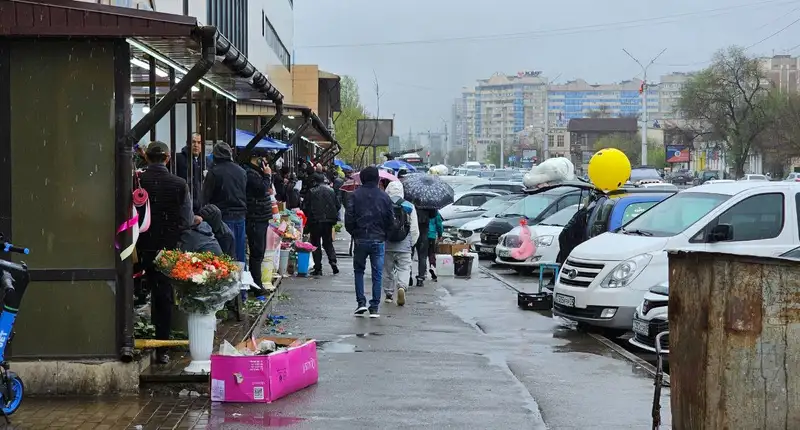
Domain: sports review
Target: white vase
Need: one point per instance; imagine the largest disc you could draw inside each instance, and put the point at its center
(201, 341)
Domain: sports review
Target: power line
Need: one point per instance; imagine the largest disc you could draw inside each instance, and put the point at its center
(562, 31)
(775, 33)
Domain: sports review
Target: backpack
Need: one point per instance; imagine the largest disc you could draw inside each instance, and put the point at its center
(401, 223)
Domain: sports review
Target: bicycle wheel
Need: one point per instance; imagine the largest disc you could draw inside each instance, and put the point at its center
(17, 389)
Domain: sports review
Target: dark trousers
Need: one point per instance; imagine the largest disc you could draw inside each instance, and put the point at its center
(322, 232)
(161, 296)
(421, 249)
(257, 241)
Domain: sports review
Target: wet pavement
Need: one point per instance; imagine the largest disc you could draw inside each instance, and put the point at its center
(459, 355)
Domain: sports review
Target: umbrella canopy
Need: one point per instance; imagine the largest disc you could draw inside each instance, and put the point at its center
(342, 164)
(427, 191)
(355, 181)
(244, 137)
(398, 164)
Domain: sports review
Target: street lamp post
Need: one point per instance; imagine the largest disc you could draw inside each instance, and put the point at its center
(644, 99)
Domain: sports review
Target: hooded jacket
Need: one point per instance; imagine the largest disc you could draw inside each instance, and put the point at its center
(259, 205)
(369, 211)
(199, 238)
(213, 217)
(395, 192)
(321, 205)
(226, 184)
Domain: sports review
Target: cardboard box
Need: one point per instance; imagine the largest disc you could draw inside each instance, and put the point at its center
(264, 378)
(451, 248)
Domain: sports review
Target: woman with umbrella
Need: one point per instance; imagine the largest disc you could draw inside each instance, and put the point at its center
(428, 193)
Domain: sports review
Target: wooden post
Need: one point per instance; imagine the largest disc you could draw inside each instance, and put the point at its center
(734, 341)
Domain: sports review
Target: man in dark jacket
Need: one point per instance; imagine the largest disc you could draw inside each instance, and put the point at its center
(225, 187)
(259, 212)
(171, 209)
(368, 219)
(212, 215)
(322, 210)
(182, 167)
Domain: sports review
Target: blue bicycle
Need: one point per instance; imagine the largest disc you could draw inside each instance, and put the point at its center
(14, 279)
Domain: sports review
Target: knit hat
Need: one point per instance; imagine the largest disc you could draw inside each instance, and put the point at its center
(369, 175)
(210, 213)
(222, 151)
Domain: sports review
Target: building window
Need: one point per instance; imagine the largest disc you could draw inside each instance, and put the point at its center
(560, 143)
(230, 18)
(274, 42)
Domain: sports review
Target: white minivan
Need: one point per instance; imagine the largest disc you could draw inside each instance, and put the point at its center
(605, 278)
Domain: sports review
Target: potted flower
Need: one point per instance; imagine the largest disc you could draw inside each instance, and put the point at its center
(203, 283)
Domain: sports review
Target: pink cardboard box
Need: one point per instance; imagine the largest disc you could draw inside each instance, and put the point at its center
(264, 378)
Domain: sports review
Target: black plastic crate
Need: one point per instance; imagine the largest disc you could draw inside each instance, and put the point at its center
(535, 301)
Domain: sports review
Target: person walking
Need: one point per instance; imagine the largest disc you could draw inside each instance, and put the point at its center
(322, 211)
(191, 154)
(399, 243)
(225, 187)
(259, 212)
(171, 209)
(435, 232)
(368, 218)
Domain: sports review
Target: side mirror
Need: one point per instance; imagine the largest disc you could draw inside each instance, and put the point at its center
(721, 233)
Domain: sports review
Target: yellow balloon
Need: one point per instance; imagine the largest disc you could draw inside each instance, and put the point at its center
(609, 169)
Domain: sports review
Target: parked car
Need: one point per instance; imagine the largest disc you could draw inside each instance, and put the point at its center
(645, 174)
(512, 187)
(605, 278)
(544, 235)
(652, 315)
(609, 214)
(665, 186)
(752, 177)
(490, 208)
(534, 208)
(706, 175)
(792, 177)
(467, 202)
(500, 175)
(681, 177)
(651, 318)
(470, 231)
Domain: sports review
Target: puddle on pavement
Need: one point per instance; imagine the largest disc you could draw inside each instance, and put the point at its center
(336, 347)
(222, 416)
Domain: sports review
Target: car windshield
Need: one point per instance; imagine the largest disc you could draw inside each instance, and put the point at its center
(497, 206)
(674, 215)
(460, 188)
(560, 218)
(502, 174)
(530, 206)
(474, 173)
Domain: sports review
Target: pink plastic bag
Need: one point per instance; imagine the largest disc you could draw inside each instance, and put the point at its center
(527, 247)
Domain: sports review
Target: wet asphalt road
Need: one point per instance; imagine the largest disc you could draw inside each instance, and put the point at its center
(459, 355)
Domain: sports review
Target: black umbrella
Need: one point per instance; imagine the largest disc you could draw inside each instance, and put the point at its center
(427, 191)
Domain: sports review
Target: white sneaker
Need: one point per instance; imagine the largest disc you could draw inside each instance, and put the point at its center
(401, 296)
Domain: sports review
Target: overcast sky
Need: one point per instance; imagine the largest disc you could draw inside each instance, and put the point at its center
(424, 51)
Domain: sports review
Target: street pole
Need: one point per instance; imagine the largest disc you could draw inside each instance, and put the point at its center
(644, 100)
(546, 146)
(446, 143)
(502, 136)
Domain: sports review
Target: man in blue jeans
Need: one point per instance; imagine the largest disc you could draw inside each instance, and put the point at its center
(368, 218)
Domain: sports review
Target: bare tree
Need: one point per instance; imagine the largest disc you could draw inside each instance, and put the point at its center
(729, 103)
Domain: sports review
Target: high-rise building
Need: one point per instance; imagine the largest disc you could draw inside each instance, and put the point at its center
(783, 71)
(669, 91)
(579, 99)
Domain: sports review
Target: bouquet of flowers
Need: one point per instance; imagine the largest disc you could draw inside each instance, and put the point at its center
(304, 246)
(203, 282)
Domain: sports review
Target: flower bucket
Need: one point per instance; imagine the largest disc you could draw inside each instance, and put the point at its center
(303, 262)
(267, 268)
(284, 261)
(462, 266)
(201, 341)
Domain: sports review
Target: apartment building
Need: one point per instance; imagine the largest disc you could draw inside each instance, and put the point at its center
(783, 71)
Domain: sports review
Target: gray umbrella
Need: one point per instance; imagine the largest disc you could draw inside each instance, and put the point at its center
(427, 191)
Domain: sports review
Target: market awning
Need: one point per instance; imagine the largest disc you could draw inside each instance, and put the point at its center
(171, 39)
(243, 138)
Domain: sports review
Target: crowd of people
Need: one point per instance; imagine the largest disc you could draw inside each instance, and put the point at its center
(224, 210)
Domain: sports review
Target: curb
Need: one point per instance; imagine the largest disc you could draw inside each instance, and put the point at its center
(264, 312)
(649, 368)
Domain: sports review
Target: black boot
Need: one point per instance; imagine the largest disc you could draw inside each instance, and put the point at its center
(420, 282)
(335, 268)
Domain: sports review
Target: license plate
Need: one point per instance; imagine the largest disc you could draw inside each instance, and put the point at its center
(641, 327)
(503, 253)
(564, 300)
(487, 249)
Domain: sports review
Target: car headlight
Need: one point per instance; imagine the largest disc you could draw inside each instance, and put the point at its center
(627, 271)
(543, 240)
